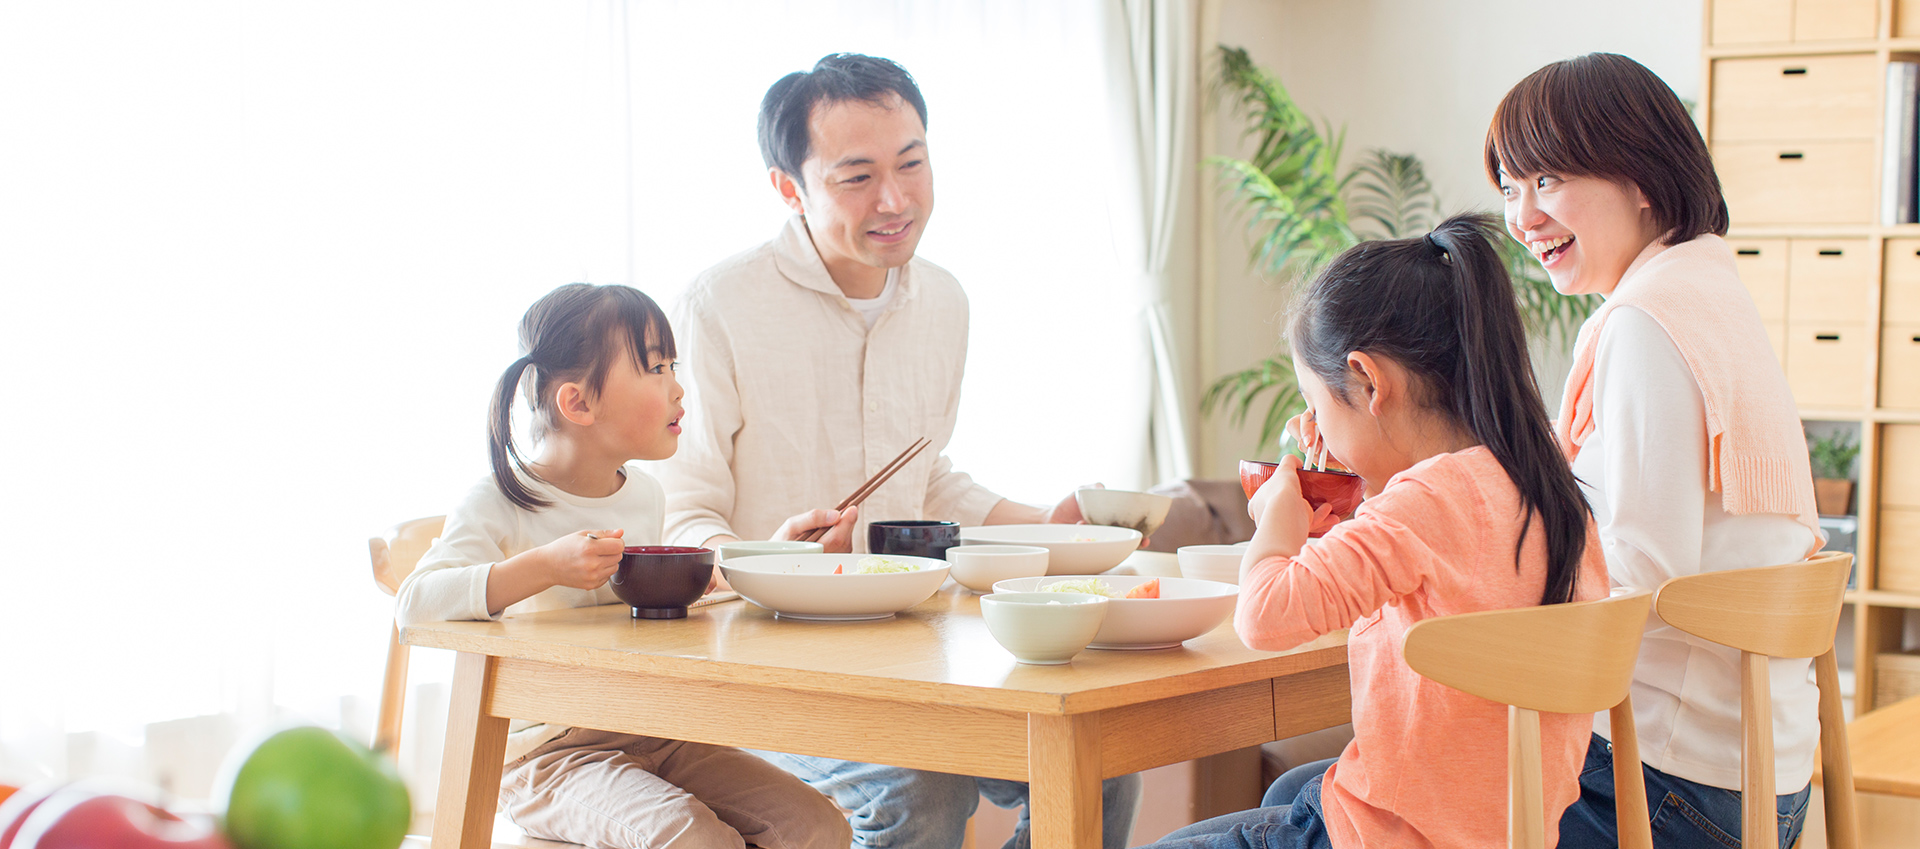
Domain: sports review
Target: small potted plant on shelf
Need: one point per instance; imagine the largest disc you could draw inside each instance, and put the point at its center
(1832, 457)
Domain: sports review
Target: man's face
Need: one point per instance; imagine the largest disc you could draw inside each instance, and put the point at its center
(868, 185)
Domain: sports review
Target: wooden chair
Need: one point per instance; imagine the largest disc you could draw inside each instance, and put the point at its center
(1560, 658)
(1775, 611)
(394, 554)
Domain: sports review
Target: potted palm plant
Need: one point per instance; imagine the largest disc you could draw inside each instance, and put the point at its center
(1832, 456)
(1302, 209)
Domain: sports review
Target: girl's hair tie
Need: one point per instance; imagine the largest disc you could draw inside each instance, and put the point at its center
(523, 362)
(1445, 258)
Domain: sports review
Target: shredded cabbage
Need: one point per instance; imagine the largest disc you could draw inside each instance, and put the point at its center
(1091, 586)
(880, 565)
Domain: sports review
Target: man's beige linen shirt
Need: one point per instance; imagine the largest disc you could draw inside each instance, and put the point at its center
(792, 402)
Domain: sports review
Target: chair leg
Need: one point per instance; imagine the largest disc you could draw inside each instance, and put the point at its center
(1759, 820)
(1836, 762)
(393, 697)
(1631, 821)
(1526, 804)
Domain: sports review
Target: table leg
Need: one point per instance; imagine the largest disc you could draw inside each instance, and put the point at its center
(1063, 776)
(470, 766)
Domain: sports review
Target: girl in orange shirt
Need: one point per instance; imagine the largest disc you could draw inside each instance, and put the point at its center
(1413, 362)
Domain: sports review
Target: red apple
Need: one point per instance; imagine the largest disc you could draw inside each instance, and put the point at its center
(13, 812)
(81, 817)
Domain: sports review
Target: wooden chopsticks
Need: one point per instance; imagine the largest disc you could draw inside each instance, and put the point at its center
(872, 484)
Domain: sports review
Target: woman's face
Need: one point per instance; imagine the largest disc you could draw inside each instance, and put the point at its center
(1584, 230)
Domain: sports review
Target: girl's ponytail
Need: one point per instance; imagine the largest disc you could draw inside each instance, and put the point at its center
(575, 333)
(507, 462)
(1442, 306)
(1498, 400)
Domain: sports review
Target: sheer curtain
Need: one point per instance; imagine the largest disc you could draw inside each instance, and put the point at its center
(260, 265)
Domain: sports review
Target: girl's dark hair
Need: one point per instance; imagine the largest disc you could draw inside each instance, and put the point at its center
(1443, 308)
(573, 333)
(1604, 115)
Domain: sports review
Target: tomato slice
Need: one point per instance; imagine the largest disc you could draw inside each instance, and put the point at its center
(1150, 589)
(836, 569)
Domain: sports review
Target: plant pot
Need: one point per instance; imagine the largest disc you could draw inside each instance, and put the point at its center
(1833, 496)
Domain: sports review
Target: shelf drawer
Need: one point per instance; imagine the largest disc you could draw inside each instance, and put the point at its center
(1900, 371)
(1752, 21)
(1777, 337)
(1898, 564)
(1900, 300)
(1826, 182)
(1827, 363)
(1796, 98)
(1906, 18)
(1763, 268)
(1900, 466)
(1828, 280)
(1833, 20)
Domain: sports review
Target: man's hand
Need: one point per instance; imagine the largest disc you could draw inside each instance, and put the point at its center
(839, 538)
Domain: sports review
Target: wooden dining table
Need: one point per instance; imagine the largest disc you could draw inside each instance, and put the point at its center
(928, 689)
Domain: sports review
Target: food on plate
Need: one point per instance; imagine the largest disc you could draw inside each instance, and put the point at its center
(1090, 586)
(876, 566)
(1150, 589)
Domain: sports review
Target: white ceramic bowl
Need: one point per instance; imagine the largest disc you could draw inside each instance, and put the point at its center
(1211, 562)
(1071, 549)
(756, 548)
(803, 586)
(977, 567)
(1141, 511)
(1043, 628)
(1186, 608)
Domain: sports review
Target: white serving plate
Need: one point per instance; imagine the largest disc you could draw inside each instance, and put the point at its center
(1186, 608)
(1071, 549)
(803, 586)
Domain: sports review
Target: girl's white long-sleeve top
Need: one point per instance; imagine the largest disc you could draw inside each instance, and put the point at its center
(1644, 469)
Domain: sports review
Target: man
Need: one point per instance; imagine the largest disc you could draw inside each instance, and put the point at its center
(818, 357)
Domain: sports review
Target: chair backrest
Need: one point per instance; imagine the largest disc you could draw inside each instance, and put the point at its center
(394, 555)
(1785, 611)
(1561, 658)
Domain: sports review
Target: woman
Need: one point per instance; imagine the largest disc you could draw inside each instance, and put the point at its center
(1676, 417)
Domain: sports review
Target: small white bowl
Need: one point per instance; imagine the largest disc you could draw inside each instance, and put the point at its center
(1141, 511)
(1185, 609)
(803, 586)
(758, 547)
(1071, 549)
(977, 567)
(1046, 629)
(1212, 562)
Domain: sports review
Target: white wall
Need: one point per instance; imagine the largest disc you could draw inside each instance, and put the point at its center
(1411, 76)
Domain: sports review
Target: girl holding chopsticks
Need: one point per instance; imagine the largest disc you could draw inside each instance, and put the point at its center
(597, 365)
(1413, 362)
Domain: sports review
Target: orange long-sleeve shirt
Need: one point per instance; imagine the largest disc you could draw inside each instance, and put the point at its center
(1428, 763)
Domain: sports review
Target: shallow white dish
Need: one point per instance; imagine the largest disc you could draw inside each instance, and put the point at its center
(757, 548)
(1142, 511)
(1212, 562)
(1045, 629)
(1186, 608)
(803, 586)
(977, 567)
(1071, 549)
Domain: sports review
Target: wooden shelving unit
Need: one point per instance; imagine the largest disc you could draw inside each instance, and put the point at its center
(1793, 109)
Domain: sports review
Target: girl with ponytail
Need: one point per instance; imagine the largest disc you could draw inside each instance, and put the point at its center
(597, 369)
(1413, 362)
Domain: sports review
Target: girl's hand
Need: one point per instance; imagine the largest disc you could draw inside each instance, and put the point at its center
(1305, 432)
(839, 537)
(584, 560)
(1280, 516)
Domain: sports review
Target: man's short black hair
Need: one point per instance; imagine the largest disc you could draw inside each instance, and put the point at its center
(836, 78)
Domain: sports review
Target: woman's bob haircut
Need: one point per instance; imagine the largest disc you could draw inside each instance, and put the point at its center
(1604, 115)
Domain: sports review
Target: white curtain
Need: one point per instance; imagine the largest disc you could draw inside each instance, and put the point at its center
(260, 264)
(1151, 49)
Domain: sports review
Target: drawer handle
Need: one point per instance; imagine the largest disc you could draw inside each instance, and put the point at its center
(1793, 156)
(1756, 252)
(1830, 252)
(1916, 337)
(1793, 72)
(1826, 337)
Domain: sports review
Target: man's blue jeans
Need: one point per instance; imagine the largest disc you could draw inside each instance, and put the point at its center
(914, 809)
(1288, 818)
(1685, 815)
